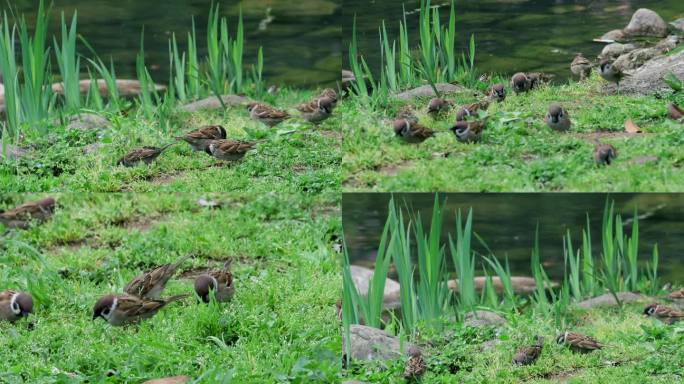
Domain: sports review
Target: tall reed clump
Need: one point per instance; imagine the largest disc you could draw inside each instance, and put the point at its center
(433, 60)
(69, 64)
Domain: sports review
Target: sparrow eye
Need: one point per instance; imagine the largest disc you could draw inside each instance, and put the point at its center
(15, 307)
(105, 312)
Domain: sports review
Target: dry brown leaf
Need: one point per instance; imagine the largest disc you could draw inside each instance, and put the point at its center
(630, 127)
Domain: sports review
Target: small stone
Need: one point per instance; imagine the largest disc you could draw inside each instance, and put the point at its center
(483, 319)
(614, 35)
(368, 343)
(87, 122)
(427, 91)
(92, 148)
(489, 345)
(616, 49)
(212, 102)
(646, 22)
(608, 299)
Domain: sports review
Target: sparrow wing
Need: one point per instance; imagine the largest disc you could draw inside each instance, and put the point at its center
(310, 107)
(662, 311)
(266, 112)
(584, 342)
(212, 132)
(676, 295)
(420, 131)
(223, 277)
(36, 209)
(234, 147)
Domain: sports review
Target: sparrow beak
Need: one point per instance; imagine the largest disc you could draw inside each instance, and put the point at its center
(95, 316)
(24, 314)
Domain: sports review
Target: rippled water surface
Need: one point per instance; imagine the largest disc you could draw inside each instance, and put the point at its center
(301, 39)
(507, 223)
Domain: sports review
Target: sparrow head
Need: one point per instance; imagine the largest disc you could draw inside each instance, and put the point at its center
(401, 126)
(251, 106)
(540, 341)
(21, 304)
(460, 126)
(555, 114)
(560, 339)
(519, 81)
(329, 93)
(605, 66)
(325, 104)
(222, 131)
(499, 90)
(104, 307)
(209, 148)
(435, 104)
(204, 284)
(650, 310)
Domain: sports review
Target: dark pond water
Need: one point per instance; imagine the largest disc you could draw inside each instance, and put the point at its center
(507, 224)
(301, 39)
(511, 35)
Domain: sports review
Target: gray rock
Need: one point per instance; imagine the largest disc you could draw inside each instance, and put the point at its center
(678, 24)
(489, 344)
(362, 278)
(646, 22)
(87, 122)
(608, 299)
(427, 91)
(614, 35)
(212, 102)
(616, 49)
(483, 319)
(12, 152)
(636, 58)
(649, 78)
(368, 343)
(92, 148)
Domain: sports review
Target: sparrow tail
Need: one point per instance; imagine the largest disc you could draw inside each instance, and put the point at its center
(162, 149)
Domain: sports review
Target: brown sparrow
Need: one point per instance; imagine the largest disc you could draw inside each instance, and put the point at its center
(266, 114)
(469, 131)
(149, 285)
(471, 109)
(520, 83)
(611, 73)
(317, 110)
(665, 314)
(437, 106)
(125, 309)
(497, 92)
(581, 66)
(674, 112)
(22, 215)
(330, 94)
(145, 154)
(199, 138)
(220, 281)
(676, 295)
(604, 154)
(578, 342)
(410, 132)
(230, 150)
(415, 365)
(538, 78)
(557, 118)
(407, 112)
(528, 355)
(14, 305)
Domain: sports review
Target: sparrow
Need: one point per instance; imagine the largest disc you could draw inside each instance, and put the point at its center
(538, 78)
(471, 109)
(125, 309)
(266, 114)
(468, 131)
(415, 365)
(317, 110)
(330, 94)
(557, 118)
(22, 215)
(674, 112)
(665, 314)
(578, 342)
(220, 281)
(676, 295)
(436, 106)
(14, 305)
(199, 138)
(520, 83)
(604, 154)
(412, 132)
(230, 150)
(528, 355)
(145, 154)
(611, 73)
(497, 92)
(149, 285)
(581, 67)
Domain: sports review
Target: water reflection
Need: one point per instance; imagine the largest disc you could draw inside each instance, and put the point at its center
(301, 40)
(507, 223)
(511, 35)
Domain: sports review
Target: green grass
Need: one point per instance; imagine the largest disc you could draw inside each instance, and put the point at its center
(280, 326)
(640, 350)
(306, 161)
(518, 151)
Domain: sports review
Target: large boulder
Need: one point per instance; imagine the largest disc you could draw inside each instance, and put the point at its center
(646, 22)
(638, 57)
(212, 102)
(649, 78)
(362, 278)
(427, 91)
(609, 300)
(368, 343)
(614, 50)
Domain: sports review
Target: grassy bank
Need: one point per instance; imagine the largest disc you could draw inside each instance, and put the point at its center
(280, 325)
(306, 160)
(640, 350)
(518, 151)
